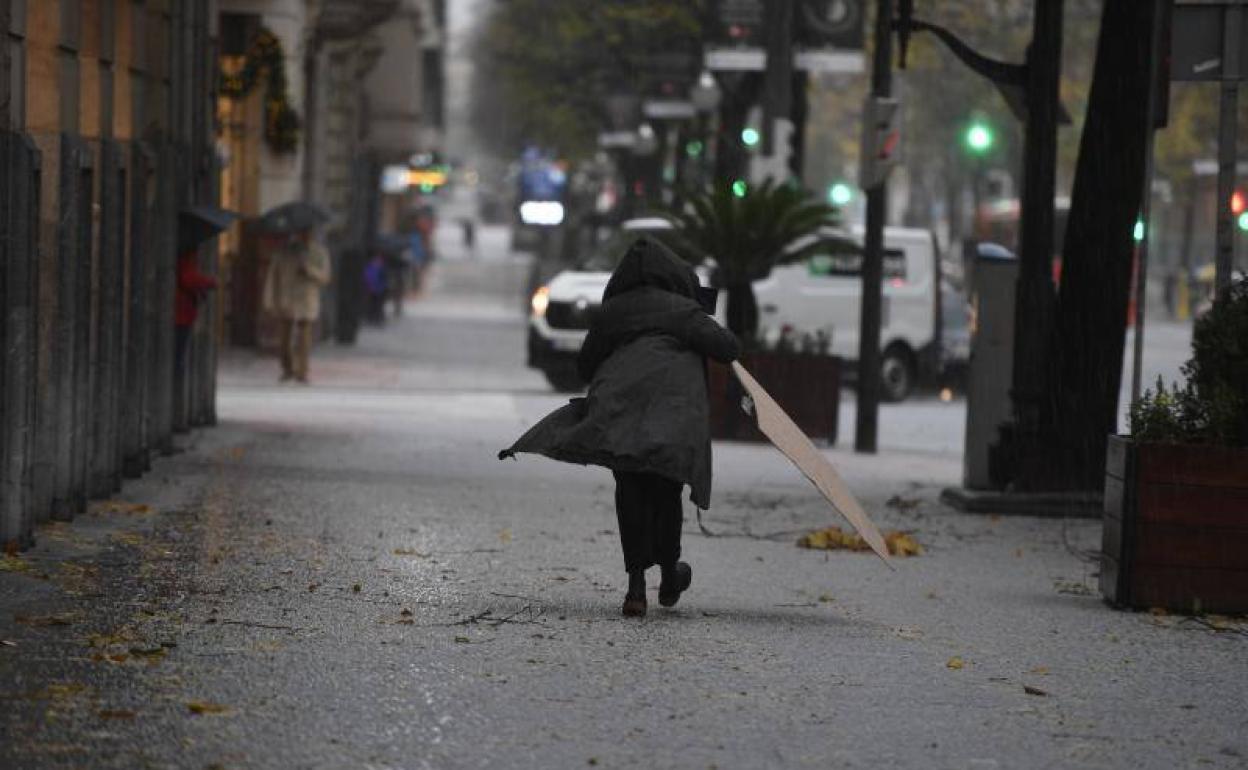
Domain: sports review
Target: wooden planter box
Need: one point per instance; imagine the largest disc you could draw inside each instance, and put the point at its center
(1175, 527)
(807, 387)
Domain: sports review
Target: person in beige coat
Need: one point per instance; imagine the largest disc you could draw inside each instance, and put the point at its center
(298, 271)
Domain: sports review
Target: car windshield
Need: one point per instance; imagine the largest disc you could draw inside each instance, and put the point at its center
(604, 257)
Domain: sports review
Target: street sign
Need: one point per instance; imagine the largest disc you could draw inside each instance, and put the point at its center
(1198, 46)
(881, 140)
(755, 60)
(668, 109)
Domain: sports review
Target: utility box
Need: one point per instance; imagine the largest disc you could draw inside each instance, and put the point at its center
(990, 377)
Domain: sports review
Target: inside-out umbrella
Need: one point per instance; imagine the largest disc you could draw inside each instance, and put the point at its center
(292, 217)
(795, 445)
(197, 224)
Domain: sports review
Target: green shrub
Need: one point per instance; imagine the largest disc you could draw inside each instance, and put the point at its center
(1212, 407)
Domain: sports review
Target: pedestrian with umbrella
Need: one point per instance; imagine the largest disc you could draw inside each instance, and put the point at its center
(646, 415)
(298, 271)
(196, 224)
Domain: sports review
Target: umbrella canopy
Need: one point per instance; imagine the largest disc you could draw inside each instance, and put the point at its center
(197, 224)
(293, 217)
(795, 445)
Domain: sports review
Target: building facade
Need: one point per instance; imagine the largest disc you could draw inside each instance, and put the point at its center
(106, 132)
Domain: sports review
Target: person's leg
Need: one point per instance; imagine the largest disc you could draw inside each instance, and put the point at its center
(667, 516)
(633, 515)
(668, 519)
(303, 341)
(287, 329)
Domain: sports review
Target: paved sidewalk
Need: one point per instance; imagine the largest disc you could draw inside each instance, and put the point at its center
(345, 576)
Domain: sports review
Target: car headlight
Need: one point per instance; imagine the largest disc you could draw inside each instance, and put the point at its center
(540, 301)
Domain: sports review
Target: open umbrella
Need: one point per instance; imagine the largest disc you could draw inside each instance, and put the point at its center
(795, 445)
(197, 224)
(292, 217)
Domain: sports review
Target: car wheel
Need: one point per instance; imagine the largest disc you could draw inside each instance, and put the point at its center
(897, 373)
(564, 380)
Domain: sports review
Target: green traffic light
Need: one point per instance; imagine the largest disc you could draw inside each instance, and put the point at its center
(1138, 231)
(1242, 221)
(840, 194)
(979, 137)
(694, 148)
(739, 188)
(750, 136)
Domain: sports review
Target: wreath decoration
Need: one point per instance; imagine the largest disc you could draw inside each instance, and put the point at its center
(265, 57)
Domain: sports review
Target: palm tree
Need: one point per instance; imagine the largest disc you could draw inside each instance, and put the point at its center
(748, 235)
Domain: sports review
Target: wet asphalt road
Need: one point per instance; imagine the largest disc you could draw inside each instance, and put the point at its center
(343, 576)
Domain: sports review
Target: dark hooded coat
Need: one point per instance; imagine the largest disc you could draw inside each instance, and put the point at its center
(645, 361)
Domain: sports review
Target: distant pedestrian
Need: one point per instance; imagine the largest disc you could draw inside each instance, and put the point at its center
(646, 415)
(298, 270)
(375, 286)
(192, 287)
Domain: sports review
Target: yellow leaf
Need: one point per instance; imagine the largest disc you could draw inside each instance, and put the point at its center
(505, 536)
(955, 663)
(205, 707)
(14, 564)
(835, 539)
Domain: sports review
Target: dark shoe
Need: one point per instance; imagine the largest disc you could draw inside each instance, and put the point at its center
(635, 599)
(676, 581)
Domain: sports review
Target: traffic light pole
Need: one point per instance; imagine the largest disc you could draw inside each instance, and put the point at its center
(866, 429)
(1228, 110)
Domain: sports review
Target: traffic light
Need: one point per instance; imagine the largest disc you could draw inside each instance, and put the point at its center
(979, 137)
(739, 188)
(1137, 232)
(840, 194)
(694, 148)
(750, 136)
(881, 140)
(1238, 202)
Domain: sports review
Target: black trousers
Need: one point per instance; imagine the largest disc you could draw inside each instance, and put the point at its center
(648, 509)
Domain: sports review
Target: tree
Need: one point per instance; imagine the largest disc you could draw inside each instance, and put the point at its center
(545, 67)
(747, 233)
(1090, 333)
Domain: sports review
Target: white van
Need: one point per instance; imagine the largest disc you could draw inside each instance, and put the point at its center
(820, 294)
(823, 294)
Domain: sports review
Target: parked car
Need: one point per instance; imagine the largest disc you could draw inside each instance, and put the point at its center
(820, 294)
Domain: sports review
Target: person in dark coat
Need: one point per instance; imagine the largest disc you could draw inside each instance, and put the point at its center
(646, 415)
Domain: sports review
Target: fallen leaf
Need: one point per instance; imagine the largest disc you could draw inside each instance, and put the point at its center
(356, 588)
(1033, 690)
(1039, 670)
(462, 640)
(835, 539)
(410, 552)
(406, 613)
(504, 536)
(115, 714)
(825, 598)
(206, 707)
(10, 563)
(955, 663)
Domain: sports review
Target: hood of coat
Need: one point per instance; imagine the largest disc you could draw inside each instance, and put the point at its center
(648, 263)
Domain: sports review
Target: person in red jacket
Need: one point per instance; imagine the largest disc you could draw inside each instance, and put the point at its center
(192, 286)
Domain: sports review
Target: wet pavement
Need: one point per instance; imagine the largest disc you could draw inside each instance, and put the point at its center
(344, 576)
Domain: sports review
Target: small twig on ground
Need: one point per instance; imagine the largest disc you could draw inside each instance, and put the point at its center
(258, 625)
